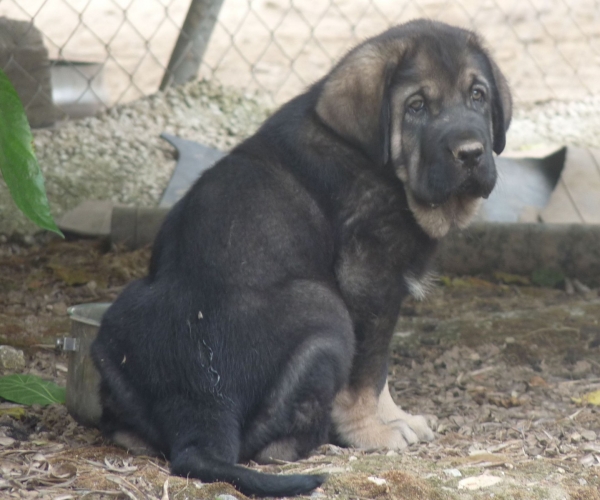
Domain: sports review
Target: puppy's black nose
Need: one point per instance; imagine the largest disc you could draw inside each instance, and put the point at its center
(468, 154)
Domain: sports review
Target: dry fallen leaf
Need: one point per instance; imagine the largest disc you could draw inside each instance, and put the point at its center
(482, 459)
(165, 495)
(537, 381)
(63, 471)
(505, 401)
(591, 398)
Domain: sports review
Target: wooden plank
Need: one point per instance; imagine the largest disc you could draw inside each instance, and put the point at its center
(582, 180)
(560, 209)
(577, 195)
(596, 156)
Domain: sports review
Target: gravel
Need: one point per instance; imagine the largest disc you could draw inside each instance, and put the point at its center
(11, 360)
(118, 155)
(575, 123)
(504, 368)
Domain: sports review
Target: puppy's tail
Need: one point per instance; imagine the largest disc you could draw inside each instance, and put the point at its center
(247, 481)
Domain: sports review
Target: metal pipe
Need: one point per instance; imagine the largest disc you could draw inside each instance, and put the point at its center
(192, 42)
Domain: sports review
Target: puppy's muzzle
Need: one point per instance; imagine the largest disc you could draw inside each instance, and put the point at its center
(468, 154)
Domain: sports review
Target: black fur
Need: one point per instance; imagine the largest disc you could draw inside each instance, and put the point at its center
(273, 283)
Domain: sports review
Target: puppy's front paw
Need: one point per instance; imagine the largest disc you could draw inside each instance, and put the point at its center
(372, 434)
(414, 427)
(359, 423)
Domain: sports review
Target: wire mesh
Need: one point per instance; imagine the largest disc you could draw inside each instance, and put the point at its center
(549, 49)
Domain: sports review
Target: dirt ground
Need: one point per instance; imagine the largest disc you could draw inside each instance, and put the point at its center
(549, 49)
(502, 364)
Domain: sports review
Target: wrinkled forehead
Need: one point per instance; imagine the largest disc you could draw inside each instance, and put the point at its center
(443, 66)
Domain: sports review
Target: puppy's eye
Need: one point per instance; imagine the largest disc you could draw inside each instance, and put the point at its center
(416, 105)
(477, 94)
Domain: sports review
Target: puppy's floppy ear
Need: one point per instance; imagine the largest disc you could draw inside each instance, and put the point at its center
(501, 108)
(354, 99)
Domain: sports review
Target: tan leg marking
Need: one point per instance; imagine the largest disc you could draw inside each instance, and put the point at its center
(133, 444)
(392, 414)
(278, 450)
(356, 419)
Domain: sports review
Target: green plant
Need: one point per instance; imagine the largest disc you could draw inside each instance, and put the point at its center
(18, 163)
(30, 389)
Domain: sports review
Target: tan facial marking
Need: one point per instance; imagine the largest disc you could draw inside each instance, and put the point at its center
(437, 221)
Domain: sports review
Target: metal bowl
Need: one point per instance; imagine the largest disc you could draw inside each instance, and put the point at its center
(83, 380)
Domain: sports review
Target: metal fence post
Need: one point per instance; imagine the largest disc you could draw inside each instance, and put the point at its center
(192, 42)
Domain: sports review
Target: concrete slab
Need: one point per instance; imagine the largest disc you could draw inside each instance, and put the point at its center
(90, 218)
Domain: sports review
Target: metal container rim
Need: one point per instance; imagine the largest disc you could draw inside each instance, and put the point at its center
(89, 314)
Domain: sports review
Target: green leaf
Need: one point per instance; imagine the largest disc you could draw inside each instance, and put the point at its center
(18, 163)
(30, 390)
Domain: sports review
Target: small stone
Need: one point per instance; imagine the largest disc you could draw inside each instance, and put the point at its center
(391, 453)
(11, 359)
(582, 367)
(588, 435)
(452, 472)
(587, 460)
(582, 481)
(6, 442)
(575, 437)
(379, 481)
(560, 470)
(478, 482)
(593, 447)
(352, 458)
(59, 309)
(580, 287)
(28, 240)
(457, 420)
(226, 497)
(569, 288)
(533, 451)
(543, 439)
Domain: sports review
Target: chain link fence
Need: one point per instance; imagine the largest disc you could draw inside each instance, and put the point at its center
(104, 52)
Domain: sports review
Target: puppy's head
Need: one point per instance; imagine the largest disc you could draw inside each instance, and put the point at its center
(425, 100)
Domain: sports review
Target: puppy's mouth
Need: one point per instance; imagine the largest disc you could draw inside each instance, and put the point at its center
(467, 188)
(474, 188)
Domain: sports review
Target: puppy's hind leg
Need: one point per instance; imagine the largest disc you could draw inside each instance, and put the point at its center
(125, 419)
(296, 415)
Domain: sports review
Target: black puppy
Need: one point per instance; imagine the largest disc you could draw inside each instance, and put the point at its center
(275, 283)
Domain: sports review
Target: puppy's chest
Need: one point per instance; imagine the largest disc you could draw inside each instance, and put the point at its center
(383, 256)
